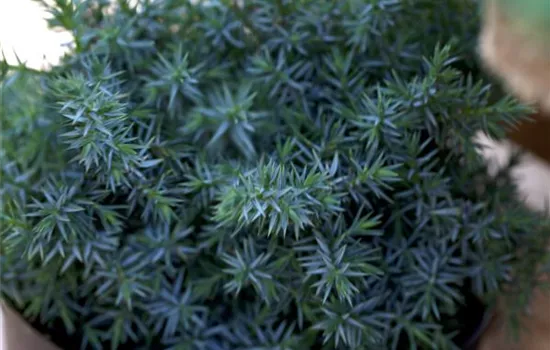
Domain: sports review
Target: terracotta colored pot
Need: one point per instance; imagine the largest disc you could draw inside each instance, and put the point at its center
(16, 334)
(535, 327)
(511, 53)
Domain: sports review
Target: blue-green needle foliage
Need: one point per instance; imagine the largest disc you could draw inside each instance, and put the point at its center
(267, 175)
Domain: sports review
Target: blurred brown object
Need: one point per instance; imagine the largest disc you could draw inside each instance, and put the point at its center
(17, 334)
(509, 51)
(534, 136)
(535, 327)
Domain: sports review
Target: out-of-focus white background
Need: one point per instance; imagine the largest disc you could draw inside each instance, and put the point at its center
(23, 30)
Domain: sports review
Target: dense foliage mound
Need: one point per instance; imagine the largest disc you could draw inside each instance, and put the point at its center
(269, 175)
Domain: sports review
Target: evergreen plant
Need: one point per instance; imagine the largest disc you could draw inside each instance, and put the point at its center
(262, 174)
